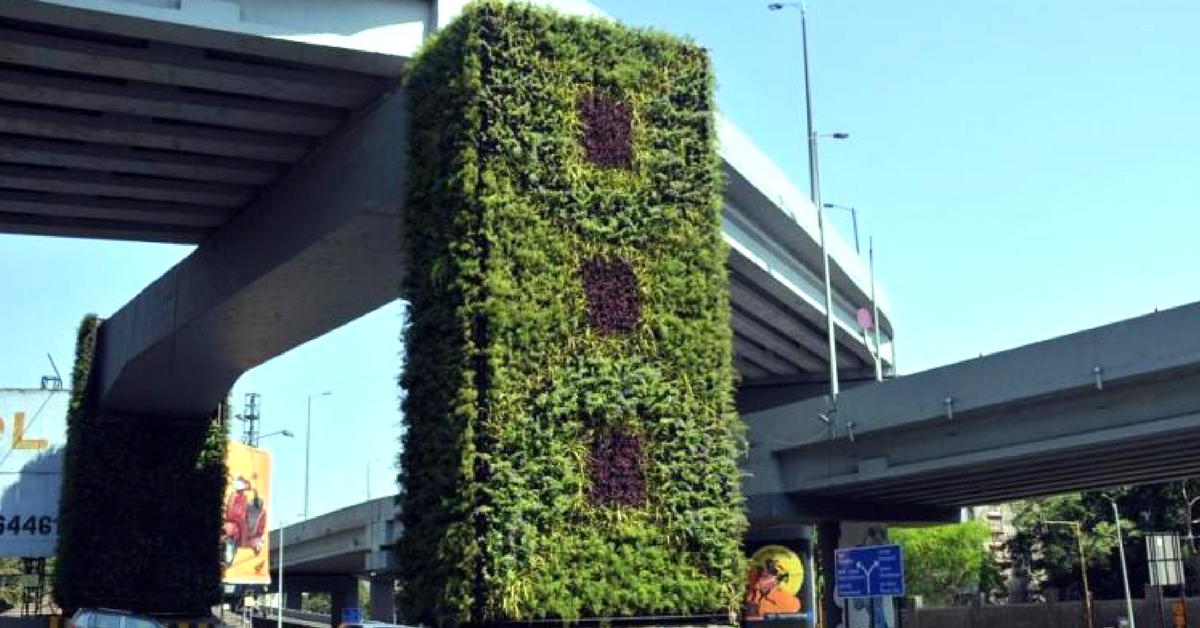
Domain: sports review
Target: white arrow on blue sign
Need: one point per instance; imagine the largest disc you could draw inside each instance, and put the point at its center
(872, 571)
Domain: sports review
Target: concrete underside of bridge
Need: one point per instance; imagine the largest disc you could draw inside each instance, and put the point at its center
(284, 162)
(1115, 405)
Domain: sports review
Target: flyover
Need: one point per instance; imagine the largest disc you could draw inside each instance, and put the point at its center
(221, 124)
(1114, 405)
(269, 133)
(329, 553)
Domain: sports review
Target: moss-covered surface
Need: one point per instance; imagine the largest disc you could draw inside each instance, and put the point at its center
(140, 509)
(571, 438)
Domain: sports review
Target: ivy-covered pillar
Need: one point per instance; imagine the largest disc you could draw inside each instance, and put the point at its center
(141, 504)
(571, 439)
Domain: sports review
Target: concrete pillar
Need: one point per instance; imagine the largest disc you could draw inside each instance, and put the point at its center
(383, 598)
(343, 594)
(829, 534)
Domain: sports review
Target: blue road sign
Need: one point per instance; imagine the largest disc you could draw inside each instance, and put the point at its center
(352, 615)
(871, 571)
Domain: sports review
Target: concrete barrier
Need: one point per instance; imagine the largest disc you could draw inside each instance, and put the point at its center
(1105, 614)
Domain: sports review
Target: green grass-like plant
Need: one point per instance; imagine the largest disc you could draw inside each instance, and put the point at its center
(520, 176)
(141, 505)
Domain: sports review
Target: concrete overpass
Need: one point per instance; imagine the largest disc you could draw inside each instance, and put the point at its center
(332, 552)
(220, 123)
(270, 134)
(1118, 404)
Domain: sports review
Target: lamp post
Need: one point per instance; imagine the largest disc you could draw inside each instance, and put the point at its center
(279, 599)
(369, 463)
(308, 446)
(1124, 569)
(814, 186)
(875, 309)
(1087, 594)
(853, 218)
(258, 439)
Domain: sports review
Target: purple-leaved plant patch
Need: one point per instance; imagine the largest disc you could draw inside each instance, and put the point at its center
(616, 470)
(612, 295)
(607, 130)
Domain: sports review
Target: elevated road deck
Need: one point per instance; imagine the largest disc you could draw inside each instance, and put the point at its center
(1114, 405)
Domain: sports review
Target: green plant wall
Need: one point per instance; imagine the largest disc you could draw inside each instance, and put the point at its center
(141, 505)
(570, 445)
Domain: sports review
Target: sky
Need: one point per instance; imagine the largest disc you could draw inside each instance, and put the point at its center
(1025, 169)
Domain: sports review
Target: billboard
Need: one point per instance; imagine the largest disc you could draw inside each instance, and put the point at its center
(33, 432)
(777, 583)
(773, 582)
(244, 537)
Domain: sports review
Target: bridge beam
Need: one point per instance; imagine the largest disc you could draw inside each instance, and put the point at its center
(1114, 405)
(320, 249)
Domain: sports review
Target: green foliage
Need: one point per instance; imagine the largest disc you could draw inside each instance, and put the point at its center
(140, 511)
(942, 561)
(1049, 553)
(10, 583)
(318, 603)
(507, 384)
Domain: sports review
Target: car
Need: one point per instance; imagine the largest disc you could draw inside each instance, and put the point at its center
(370, 624)
(111, 618)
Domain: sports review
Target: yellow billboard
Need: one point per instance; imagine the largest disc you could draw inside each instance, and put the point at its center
(244, 537)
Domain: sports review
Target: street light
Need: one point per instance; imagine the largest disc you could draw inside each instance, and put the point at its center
(279, 599)
(1087, 594)
(853, 217)
(1124, 569)
(875, 315)
(814, 186)
(369, 463)
(308, 446)
(258, 439)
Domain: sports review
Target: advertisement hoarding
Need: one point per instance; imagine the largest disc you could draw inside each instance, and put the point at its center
(244, 538)
(776, 584)
(33, 432)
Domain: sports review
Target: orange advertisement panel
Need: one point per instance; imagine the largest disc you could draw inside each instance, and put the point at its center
(244, 535)
(775, 576)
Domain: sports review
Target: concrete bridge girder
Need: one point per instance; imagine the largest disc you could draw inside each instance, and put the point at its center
(303, 260)
(1109, 406)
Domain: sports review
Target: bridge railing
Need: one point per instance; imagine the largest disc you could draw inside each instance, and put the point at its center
(291, 615)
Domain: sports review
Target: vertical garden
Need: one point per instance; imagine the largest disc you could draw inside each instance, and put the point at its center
(140, 515)
(571, 440)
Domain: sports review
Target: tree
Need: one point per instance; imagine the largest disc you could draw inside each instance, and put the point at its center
(317, 603)
(944, 560)
(1049, 553)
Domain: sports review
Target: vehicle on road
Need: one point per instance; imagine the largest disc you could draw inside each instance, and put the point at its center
(371, 624)
(111, 618)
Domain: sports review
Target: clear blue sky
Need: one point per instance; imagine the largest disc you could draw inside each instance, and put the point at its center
(1027, 169)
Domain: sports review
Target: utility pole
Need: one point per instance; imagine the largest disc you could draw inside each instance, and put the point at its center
(249, 417)
(875, 313)
(1124, 569)
(308, 446)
